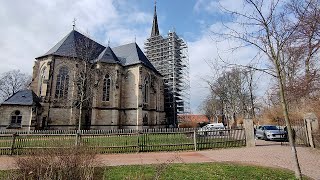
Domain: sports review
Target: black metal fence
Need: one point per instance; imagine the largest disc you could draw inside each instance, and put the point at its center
(121, 140)
(299, 131)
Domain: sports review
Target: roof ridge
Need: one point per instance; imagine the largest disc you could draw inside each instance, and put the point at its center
(133, 54)
(106, 55)
(67, 47)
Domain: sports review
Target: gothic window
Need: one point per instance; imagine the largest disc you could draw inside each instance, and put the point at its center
(145, 120)
(41, 79)
(146, 90)
(16, 118)
(62, 83)
(106, 88)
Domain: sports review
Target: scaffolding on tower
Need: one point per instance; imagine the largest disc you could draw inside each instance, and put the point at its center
(169, 55)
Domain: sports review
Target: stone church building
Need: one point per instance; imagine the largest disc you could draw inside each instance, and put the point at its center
(80, 79)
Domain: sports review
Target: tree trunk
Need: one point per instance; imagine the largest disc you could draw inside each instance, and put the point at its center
(80, 115)
(82, 88)
(286, 117)
(253, 115)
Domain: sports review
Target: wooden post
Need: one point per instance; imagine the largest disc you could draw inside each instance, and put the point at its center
(78, 138)
(13, 143)
(138, 135)
(195, 139)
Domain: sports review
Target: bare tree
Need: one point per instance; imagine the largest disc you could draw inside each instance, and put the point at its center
(86, 74)
(210, 107)
(249, 80)
(11, 82)
(268, 26)
(302, 51)
(307, 36)
(231, 96)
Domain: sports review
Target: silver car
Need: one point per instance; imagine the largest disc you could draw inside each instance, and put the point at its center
(270, 132)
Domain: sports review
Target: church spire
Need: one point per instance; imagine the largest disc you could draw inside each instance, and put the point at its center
(155, 28)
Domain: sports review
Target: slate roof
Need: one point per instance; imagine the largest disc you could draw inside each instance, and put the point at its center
(22, 97)
(108, 56)
(155, 27)
(131, 54)
(74, 44)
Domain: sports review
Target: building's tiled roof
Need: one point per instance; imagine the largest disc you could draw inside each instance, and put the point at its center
(76, 44)
(22, 97)
(107, 56)
(198, 118)
(131, 54)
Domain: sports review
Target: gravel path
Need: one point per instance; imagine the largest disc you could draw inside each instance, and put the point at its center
(264, 154)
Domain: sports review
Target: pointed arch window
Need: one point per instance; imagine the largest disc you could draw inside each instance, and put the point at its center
(106, 88)
(41, 79)
(146, 90)
(145, 120)
(62, 83)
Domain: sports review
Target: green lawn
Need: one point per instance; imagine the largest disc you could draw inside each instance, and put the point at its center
(196, 171)
(189, 171)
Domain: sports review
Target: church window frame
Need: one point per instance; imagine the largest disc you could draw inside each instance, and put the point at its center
(106, 89)
(146, 90)
(41, 79)
(62, 83)
(145, 120)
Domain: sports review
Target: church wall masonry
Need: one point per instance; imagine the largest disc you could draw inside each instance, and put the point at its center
(57, 112)
(124, 89)
(127, 88)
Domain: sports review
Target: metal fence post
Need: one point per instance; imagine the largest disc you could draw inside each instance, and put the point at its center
(195, 139)
(13, 142)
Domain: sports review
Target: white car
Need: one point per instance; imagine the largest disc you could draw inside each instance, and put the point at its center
(270, 132)
(212, 129)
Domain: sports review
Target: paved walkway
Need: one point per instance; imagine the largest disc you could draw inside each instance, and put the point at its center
(265, 154)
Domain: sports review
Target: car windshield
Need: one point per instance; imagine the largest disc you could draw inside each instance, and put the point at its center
(271, 128)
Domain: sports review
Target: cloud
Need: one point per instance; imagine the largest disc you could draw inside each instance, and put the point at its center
(208, 6)
(33, 27)
(206, 51)
(215, 6)
(30, 28)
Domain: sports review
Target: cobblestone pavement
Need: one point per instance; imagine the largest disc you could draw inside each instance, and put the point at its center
(270, 154)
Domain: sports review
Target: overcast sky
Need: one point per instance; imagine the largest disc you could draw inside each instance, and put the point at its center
(30, 28)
